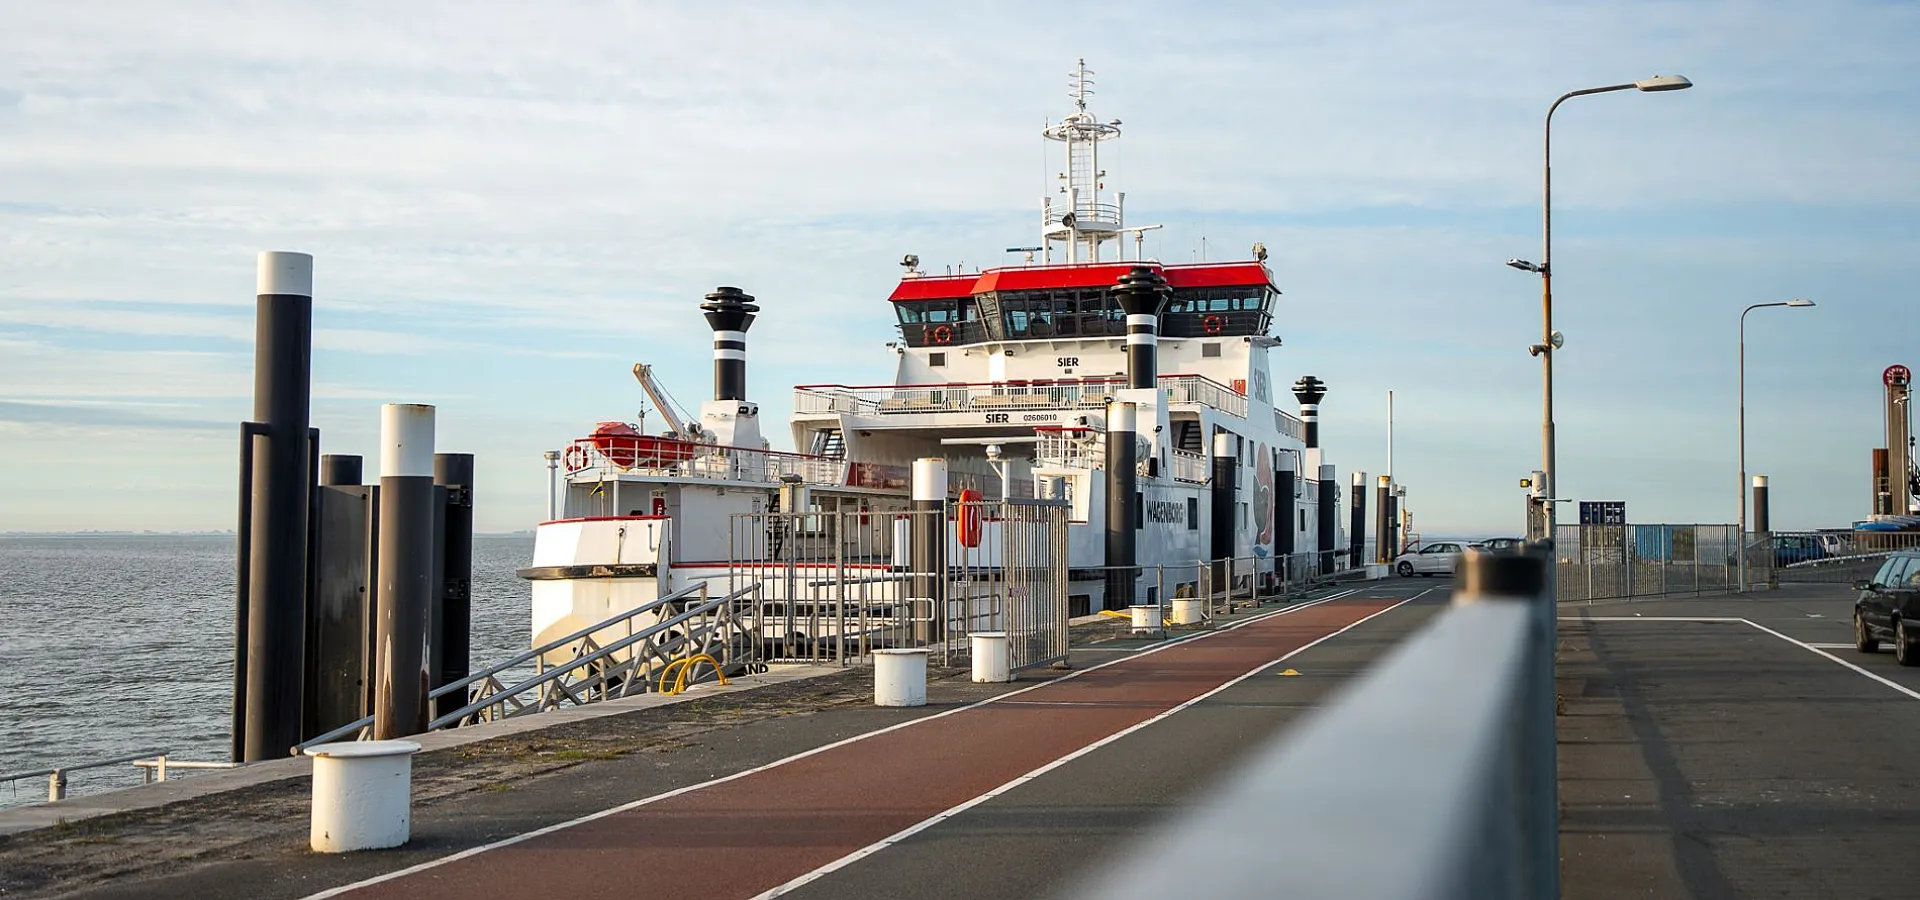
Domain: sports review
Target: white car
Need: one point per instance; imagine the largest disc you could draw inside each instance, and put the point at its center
(1437, 558)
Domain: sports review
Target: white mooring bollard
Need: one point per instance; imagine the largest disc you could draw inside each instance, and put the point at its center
(991, 659)
(900, 677)
(1189, 612)
(1146, 618)
(362, 795)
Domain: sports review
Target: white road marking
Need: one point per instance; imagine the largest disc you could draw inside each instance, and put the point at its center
(1810, 648)
(636, 804)
(925, 824)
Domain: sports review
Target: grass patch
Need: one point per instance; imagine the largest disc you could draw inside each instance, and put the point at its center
(586, 754)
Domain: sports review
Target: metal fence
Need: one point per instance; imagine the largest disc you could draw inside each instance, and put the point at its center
(836, 586)
(1600, 562)
(1597, 562)
(1338, 807)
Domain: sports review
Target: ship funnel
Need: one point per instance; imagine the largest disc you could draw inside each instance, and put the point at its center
(1143, 294)
(729, 312)
(1308, 390)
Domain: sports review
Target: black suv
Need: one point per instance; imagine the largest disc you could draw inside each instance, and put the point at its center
(1885, 606)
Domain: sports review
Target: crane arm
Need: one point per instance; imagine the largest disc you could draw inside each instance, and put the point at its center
(643, 373)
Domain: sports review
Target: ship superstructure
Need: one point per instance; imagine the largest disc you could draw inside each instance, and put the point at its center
(1082, 376)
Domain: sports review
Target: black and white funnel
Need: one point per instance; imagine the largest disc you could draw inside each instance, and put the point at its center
(1143, 294)
(729, 313)
(1308, 390)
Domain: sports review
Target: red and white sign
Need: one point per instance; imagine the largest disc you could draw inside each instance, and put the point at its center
(1896, 375)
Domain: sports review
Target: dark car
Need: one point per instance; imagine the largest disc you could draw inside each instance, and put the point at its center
(1797, 548)
(1886, 604)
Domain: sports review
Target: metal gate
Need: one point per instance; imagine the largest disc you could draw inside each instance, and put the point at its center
(840, 585)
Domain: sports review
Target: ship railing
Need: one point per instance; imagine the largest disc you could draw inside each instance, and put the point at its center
(1186, 465)
(1076, 447)
(701, 461)
(1473, 814)
(688, 624)
(1007, 396)
(1289, 425)
(1084, 213)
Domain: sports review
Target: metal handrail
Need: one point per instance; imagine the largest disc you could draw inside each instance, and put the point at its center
(57, 776)
(1468, 816)
(558, 672)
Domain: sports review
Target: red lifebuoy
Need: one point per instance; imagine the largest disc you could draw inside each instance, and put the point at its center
(1212, 324)
(969, 516)
(576, 458)
(942, 334)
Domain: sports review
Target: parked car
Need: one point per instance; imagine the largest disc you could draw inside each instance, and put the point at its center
(1797, 548)
(1502, 543)
(1437, 558)
(1887, 602)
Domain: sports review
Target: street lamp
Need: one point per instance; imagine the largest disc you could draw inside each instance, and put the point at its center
(1742, 540)
(1549, 340)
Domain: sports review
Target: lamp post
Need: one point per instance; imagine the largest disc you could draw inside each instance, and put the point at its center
(1549, 339)
(1742, 539)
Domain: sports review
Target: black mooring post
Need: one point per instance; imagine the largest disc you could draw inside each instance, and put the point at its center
(1383, 522)
(453, 640)
(242, 562)
(280, 490)
(927, 541)
(1221, 493)
(1122, 484)
(338, 613)
(1357, 528)
(1286, 520)
(1329, 517)
(406, 566)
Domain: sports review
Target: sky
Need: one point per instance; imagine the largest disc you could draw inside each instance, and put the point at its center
(510, 204)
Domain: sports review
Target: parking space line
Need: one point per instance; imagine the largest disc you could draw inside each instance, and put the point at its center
(1810, 648)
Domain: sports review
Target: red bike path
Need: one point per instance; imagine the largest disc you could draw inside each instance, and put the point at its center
(742, 837)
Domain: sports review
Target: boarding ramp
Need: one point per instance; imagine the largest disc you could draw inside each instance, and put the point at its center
(837, 586)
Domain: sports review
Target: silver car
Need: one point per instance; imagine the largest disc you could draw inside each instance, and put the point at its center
(1438, 558)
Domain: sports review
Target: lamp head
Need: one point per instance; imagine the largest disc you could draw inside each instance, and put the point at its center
(1800, 301)
(1523, 265)
(1663, 83)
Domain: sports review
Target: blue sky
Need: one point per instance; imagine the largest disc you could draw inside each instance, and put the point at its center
(510, 204)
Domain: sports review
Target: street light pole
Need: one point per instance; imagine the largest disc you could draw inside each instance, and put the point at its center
(1741, 540)
(1548, 343)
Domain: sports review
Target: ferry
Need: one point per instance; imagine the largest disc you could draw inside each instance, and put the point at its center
(1026, 379)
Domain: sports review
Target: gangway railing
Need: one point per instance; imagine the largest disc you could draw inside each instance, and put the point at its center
(716, 627)
(1432, 777)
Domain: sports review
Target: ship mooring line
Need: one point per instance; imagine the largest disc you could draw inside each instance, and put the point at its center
(927, 823)
(645, 801)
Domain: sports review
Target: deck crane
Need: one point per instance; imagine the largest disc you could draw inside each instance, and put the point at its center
(643, 373)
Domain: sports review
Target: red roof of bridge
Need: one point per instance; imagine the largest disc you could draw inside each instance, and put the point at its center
(1033, 278)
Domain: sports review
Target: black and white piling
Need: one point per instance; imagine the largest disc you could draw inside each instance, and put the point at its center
(1329, 517)
(1357, 527)
(276, 490)
(451, 646)
(1122, 484)
(1308, 390)
(1143, 294)
(1383, 521)
(1762, 522)
(1286, 517)
(730, 312)
(927, 537)
(406, 569)
(1222, 491)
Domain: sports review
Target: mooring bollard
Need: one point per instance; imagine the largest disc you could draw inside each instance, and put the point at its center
(1189, 612)
(900, 677)
(362, 795)
(1146, 618)
(991, 662)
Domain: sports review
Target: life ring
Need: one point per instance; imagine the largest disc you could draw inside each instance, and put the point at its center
(1212, 324)
(942, 334)
(969, 518)
(576, 458)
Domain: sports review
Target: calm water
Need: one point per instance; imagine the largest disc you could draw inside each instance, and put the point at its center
(111, 645)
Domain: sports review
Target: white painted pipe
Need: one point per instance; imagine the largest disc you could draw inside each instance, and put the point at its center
(992, 660)
(1146, 618)
(362, 795)
(900, 677)
(929, 479)
(406, 439)
(1189, 612)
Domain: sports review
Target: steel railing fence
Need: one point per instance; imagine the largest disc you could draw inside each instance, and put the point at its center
(1831, 557)
(1338, 806)
(836, 586)
(1603, 562)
